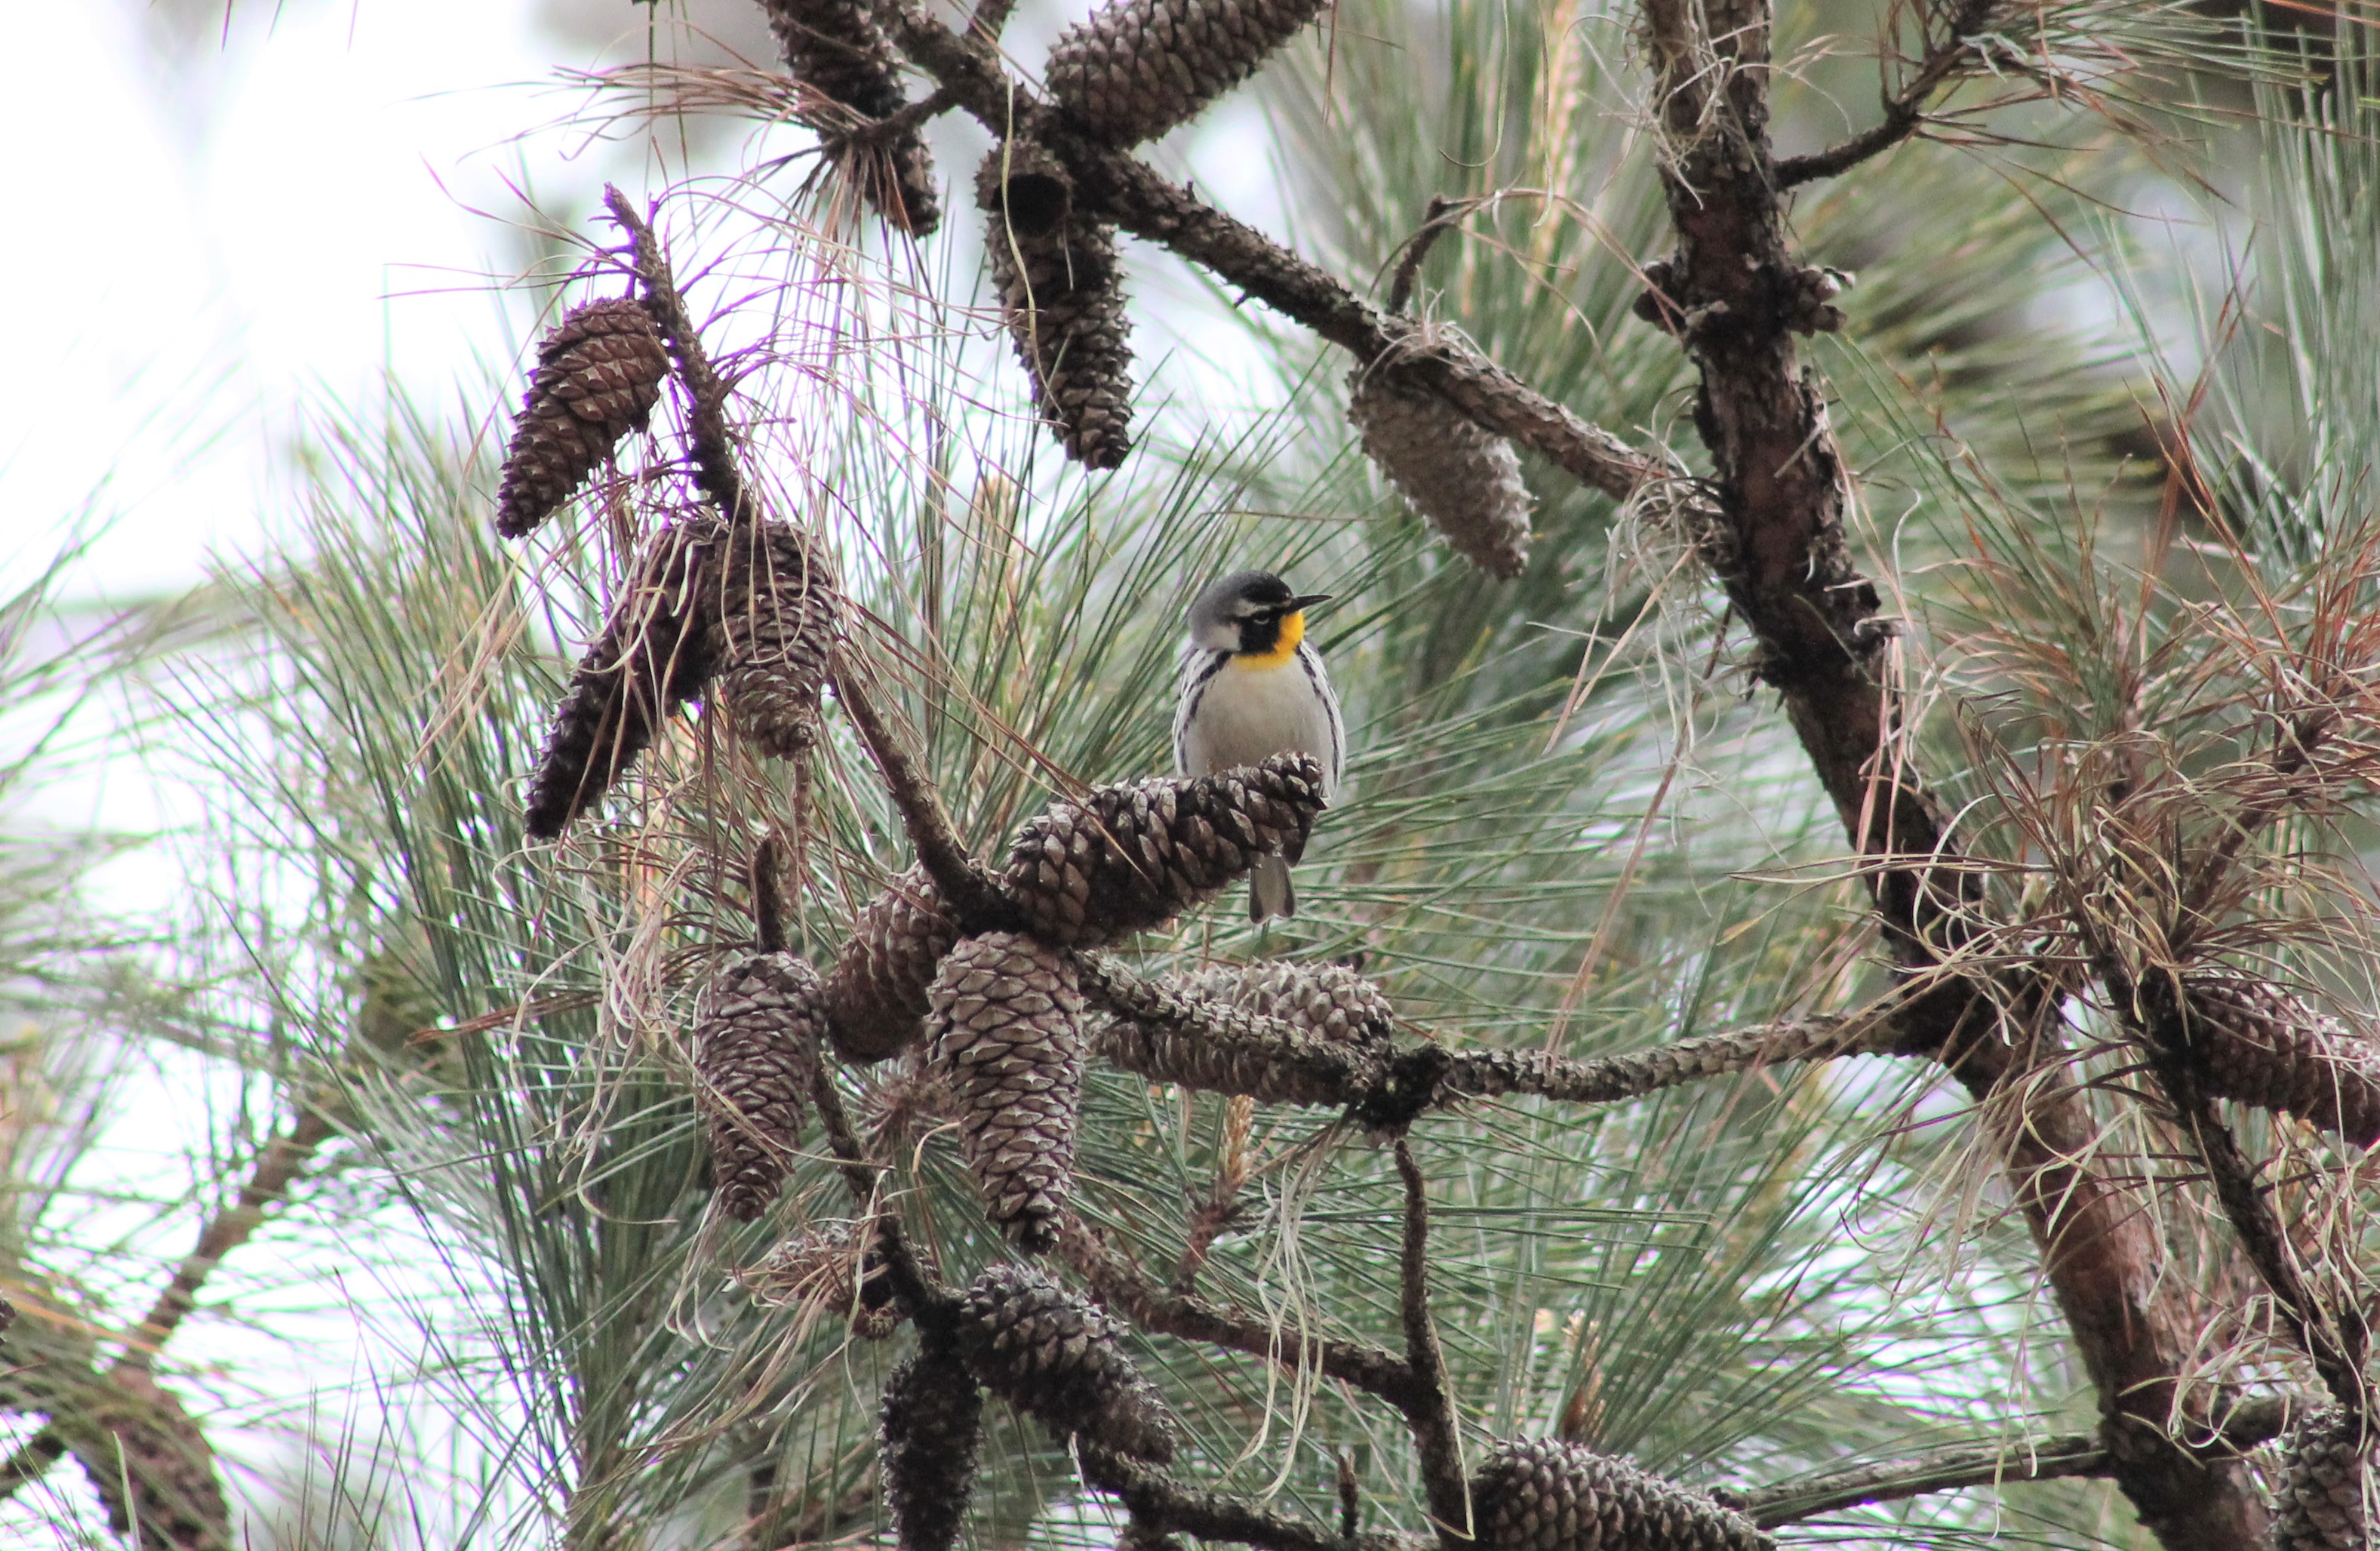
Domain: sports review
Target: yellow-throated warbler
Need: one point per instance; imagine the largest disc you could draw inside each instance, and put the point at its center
(1252, 688)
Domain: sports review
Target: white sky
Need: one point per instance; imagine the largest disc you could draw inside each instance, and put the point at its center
(213, 223)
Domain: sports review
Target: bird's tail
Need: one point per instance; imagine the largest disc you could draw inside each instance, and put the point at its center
(1268, 890)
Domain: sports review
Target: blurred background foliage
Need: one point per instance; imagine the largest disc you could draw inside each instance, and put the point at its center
(2090, 356)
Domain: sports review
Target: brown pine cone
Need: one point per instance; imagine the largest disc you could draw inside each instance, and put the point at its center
(1128, 858)
(1465, 480)
(1005, 1018)
(1138, 68)
(2258, 1044)
(779, 618)
(598, 376)
(1061, 295)
(752, 1057)
(2320, 1506)
(1330, 1000)
(933, 1421)
(1539, 1494)
(652, 657)
(1054, 1357)
(832, 1267)
(835, 48)
(876, 992)
(135, 1432)
(1180, 1032)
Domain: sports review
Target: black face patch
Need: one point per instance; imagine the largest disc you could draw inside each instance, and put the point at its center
(1259, 633)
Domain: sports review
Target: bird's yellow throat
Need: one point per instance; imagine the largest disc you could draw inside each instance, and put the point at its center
(1292, 630)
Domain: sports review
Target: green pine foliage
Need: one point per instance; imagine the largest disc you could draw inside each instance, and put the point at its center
(1573, 822)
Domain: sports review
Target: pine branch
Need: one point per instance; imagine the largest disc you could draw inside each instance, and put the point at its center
(715, 469)
(1904, 111)
(960, 878)
(1156, 1499)
(1822, 646)
(1196, 1041)
(973, 899)
(1112, 186)
(284, 1157)
(2066, 1456)
(1431, 1413)
(1190, 1318)
(2055, 1458)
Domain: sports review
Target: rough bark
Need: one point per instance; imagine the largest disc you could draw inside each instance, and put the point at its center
(1730, 295)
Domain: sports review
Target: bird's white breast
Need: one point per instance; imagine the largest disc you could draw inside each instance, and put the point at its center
(1248, 714)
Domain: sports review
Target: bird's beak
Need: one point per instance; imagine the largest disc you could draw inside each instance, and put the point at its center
(1310, 600)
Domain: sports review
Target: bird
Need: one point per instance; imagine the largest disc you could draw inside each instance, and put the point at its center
(1252, 687)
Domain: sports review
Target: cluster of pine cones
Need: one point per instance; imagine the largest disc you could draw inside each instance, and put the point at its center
(1132, 71)
(744, 611)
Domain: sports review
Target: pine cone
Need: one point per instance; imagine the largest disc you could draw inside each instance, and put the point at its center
(876, 992)
(1128, 858)
(175, 1495)
(1172, 1030)
(1465, 479)
(830, 1266)
(1135, 69)
(1330, 1000)
(652, 657)
(1539, 1494)
(2259, 1044)
(1055, 1357)
(752, 1052)
(779, 618)
(2320, 1506)
(1006, 1023)
(598, 376)
(1061, 295)
(835, 48)
(933, 1421)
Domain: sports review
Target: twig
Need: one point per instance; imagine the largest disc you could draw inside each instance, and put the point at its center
(1904, 111)
(1349, 1505)
(2065, 1457)
(930, 1303)
(1431, 1413)
(1440, 217)
(715, 471)
(989, 19)
(1612, 1079)
(970, 893)
(279, 1165)
(899, 122)
(971, 896)
(767, 896)
(1190, 1318)
(1156, 1498)
(2058, 1459)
